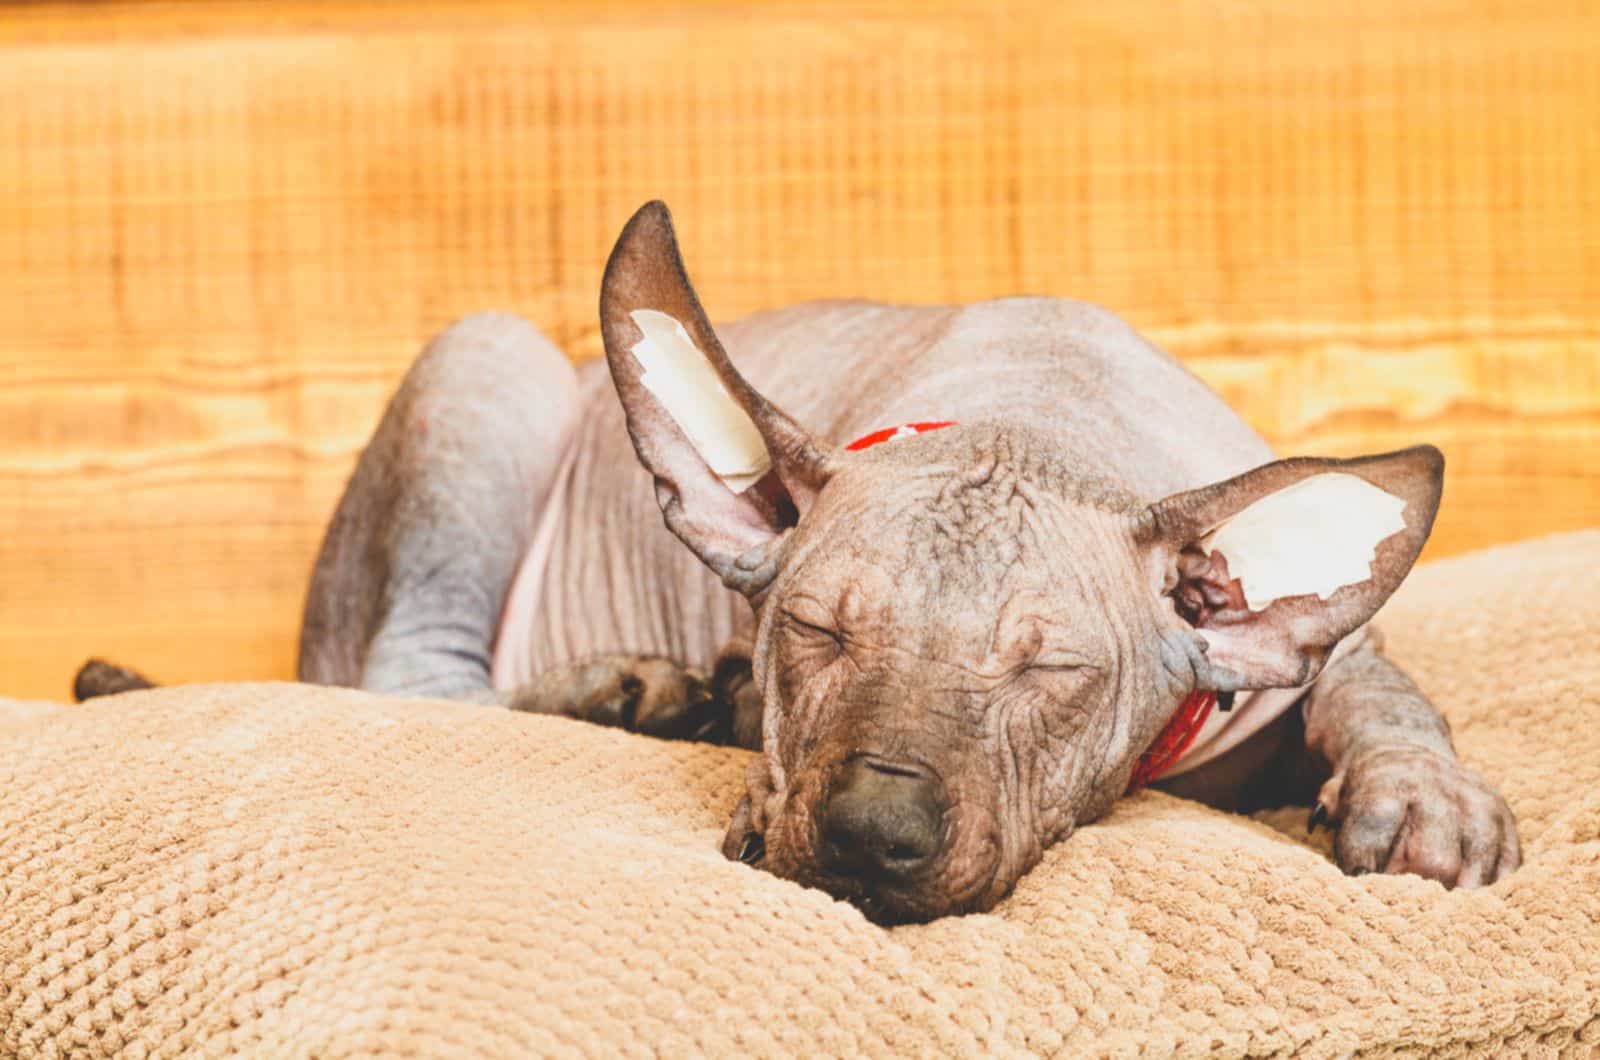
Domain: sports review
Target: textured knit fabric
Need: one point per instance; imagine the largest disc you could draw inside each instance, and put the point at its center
(284, 870)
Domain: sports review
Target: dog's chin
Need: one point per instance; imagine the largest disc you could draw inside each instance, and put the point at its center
(951, 889)
(894, 905)
(910, 903)
(886, 908)
(896, 911)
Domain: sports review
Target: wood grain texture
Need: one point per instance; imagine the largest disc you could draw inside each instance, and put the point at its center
(225, 229)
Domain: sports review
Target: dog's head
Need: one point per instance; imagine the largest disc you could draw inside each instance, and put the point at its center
(963, 644)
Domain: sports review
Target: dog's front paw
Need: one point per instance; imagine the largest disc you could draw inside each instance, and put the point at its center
(641, 693)
(1404, 808)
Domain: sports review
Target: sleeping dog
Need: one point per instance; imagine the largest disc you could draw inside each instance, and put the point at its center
(1045, 566)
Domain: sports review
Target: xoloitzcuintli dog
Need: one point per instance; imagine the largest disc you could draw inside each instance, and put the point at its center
(952, 647)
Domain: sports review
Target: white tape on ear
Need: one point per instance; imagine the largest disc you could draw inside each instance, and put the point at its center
(1314, 537)
(681, 378)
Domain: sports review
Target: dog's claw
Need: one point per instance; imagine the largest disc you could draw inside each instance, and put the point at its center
(753, 849)
(1319, 816)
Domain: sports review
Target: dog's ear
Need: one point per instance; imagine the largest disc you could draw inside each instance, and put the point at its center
(732, 471)
(1275, 566)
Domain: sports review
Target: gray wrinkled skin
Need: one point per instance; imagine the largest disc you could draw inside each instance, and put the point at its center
(932, 609)
(1011, 608)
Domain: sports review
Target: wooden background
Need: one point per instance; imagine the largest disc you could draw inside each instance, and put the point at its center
(225, 229)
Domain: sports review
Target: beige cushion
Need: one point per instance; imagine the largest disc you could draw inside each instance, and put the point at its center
(289, 869)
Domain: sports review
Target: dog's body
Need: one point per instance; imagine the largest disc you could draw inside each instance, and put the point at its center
(500, 541)
(1105, 397)
(1068, 369)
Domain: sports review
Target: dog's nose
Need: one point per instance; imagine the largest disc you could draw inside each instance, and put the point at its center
(882, 819)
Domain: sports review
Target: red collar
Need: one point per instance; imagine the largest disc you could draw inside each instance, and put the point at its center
(1180, 731)
(905, 430)
(1173, 740)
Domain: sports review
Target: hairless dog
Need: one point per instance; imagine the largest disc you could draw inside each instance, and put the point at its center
(952, 641)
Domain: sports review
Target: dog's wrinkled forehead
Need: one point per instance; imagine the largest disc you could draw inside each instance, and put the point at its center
(965, 535)
(979, 494)
(996, 462)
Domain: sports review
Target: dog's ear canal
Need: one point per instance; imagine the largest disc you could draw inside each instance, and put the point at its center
(732, 470)
(1276, 566)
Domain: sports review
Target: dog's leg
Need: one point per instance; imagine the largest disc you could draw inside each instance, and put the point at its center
(641, 693)
(407, 591)
(650, 695)
(1375, 757)
(409, 586)
(1401, 799)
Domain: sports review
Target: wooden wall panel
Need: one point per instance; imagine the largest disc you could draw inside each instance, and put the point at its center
(225, 228)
